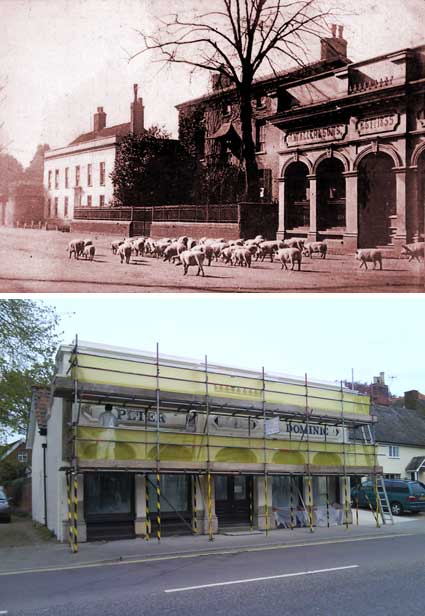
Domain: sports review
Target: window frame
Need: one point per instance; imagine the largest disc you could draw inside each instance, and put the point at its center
(77, 176)
(66, 177)
(102, 173)
(89, 174)
(394, 452)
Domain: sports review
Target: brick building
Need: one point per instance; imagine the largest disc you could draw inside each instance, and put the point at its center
(340, 145)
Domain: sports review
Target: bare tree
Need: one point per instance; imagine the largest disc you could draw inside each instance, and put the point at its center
(237, 40)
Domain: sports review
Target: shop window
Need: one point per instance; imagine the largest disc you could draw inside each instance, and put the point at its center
(393, 451)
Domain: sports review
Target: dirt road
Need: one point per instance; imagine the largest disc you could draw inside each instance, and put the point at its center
(36, 261)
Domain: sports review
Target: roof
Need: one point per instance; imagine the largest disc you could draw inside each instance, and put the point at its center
(119, 130)
(415, 464)
(399, 425)
(285, 76)
(11, 448)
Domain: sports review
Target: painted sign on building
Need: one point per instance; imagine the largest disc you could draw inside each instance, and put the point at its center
(377, 124)
(316, 135)
(314, 432)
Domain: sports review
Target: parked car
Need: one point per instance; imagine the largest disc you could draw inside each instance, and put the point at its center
(402, 495)
(4, 506)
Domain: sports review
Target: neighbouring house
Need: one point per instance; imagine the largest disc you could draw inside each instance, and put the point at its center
(340, 145)
(400, 436)
(15, 470)
(77, 176)
(147, 443)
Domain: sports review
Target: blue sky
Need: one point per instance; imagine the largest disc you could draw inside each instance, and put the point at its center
(324, 335)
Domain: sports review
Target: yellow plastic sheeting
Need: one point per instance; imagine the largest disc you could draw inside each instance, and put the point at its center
(122, 373)
(288, 457)
(233, 454)
(327, 459)
(120, 444)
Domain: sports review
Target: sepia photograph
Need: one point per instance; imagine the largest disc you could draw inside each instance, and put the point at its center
(212, 146)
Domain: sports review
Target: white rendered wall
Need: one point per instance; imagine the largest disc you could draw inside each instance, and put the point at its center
(69, 157)
(397, 466)
(56, 494)
(37, 479)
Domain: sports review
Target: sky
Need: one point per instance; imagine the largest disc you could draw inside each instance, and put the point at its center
(325, 336)
(61, 59)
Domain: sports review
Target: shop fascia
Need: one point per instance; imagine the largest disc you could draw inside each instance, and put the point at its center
(193, 421)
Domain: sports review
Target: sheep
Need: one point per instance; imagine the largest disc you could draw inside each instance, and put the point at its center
(227, 254)
(242, 256)
(295, 242)
(89, 252)
(124, 252)
(75, 247)
(217, 247)
(290, 255)
(138, 245)
(267, 248)
(413, 251)
(192, 257)
(88, 242)
(371, 255)
(312, 247)
(115, 244)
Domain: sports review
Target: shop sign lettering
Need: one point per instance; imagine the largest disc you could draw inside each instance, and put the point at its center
(377, 124)
(235, 389)
(139, 415)
(311, 431)
(315, 135)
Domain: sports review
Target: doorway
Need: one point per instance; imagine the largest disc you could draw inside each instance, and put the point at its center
(233, 494)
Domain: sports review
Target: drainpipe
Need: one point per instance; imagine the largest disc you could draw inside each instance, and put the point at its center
(44, 445)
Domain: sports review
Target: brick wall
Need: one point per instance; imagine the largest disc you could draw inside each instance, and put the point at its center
(108, 227)
(228, 231)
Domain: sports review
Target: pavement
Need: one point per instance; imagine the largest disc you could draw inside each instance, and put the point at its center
(52, 556)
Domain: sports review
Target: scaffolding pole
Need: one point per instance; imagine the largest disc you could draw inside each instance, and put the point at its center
(344, 459)
(158, 478)
(209, 489)
(266, 483)
(309, 479)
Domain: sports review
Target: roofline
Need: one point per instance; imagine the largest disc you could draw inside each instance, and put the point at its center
(94, 144)
(194, 363)
(12, 448)
(263, 80)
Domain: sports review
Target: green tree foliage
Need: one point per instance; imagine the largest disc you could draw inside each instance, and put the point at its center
(28, 339)
(34, 171)
(11, 470)
(10, 171)
(151, 169)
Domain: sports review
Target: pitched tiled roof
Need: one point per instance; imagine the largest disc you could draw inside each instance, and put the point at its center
(119, 130)
(415, 464)
(400, 425)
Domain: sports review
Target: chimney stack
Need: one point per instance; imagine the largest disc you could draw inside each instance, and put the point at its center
(137, 121)
(99, 120)
(334, 47)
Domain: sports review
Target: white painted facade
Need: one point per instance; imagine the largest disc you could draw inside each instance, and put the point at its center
(397, 465)
(87, 192)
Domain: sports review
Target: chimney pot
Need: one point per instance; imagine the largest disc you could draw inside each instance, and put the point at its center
(333, 29)
(340, 32)
(99, 120)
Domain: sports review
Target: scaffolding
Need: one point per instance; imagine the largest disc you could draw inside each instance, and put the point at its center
(195, 447)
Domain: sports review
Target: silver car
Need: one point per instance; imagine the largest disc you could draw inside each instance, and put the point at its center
(4, 506)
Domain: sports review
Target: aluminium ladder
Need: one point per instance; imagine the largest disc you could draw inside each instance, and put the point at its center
(383, 502)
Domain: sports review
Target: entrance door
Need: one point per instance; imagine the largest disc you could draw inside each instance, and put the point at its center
(109, 505)
(232, 498)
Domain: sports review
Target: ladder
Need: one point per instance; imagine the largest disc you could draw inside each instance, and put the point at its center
(383, 502)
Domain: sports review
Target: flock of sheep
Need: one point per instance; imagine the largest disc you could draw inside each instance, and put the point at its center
(189, 252)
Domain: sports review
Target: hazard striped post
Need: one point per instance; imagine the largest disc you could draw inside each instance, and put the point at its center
(158, 507)
(147, 536)
(75, 485)
(70, 520)
(310, 503)
(266, 502)
(291, 501)
(210, 528)
(327, 501)
(251, 503)
(346, 502)
(194, 506)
